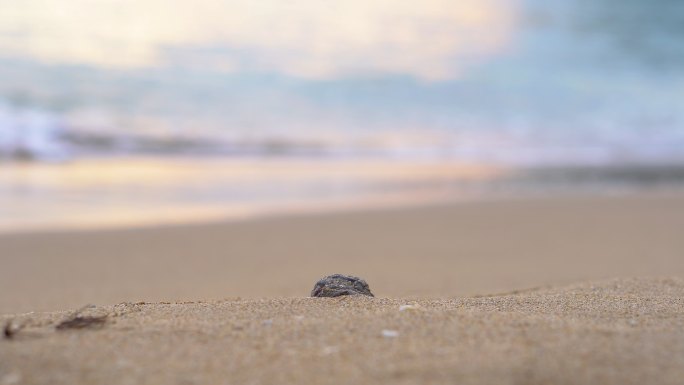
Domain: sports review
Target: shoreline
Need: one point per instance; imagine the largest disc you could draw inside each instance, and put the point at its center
(121, 193)
(151, 192)
(393, 202)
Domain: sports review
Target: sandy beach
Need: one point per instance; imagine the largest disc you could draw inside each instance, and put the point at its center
(441, 251)
(212, 199)
(568, 290)
(609, 332)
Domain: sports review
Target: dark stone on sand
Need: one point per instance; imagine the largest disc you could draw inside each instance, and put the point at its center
(337, 285)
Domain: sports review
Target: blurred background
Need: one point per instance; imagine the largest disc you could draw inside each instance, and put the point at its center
(119, 112)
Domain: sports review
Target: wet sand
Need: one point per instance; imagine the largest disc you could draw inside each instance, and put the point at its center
(508, 291)
(115, 192)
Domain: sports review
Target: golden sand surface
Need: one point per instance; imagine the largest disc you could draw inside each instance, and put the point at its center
(226, 303)
(440, 251)
(620, 331)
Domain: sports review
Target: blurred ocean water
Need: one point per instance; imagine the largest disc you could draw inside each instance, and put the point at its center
(99, 98)
(524, 82)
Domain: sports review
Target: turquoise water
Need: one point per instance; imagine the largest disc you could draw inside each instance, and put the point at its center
(526, 82)
(123, 112)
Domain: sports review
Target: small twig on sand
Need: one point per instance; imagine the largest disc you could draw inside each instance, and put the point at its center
(11, 329)
(78, 321)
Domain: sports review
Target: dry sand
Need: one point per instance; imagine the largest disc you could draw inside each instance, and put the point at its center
(628, 331)
(614, 331)
(443, 251)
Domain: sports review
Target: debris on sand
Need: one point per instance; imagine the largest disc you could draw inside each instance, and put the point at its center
(390, 333)
(79, 321)
(11, 329)
(82, 322)
(337, 285)
(408, 307)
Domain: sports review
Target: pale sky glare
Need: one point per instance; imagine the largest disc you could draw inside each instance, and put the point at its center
(304, 38)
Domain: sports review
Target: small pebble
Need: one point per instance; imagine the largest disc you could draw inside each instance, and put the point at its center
(390, 333)
(337, 285)
(408, 307)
